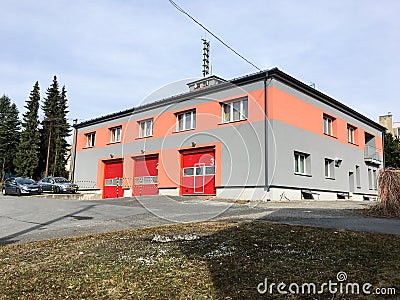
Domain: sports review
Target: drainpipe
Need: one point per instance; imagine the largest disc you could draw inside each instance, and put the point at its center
(266, 131)
(73, 151)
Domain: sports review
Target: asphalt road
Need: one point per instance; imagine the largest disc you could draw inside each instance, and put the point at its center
(24, 219)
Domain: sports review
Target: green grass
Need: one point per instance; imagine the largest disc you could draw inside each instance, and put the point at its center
(226, 261)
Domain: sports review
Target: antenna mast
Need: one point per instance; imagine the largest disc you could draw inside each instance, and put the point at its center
(206, 57)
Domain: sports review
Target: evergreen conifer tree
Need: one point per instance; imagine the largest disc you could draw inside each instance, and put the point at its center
(63, 131)
(9, 136)
(55, 130)
(392, 151)
(27, 157)
(48, 133)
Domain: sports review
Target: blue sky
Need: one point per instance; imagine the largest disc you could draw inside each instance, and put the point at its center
(111, 54)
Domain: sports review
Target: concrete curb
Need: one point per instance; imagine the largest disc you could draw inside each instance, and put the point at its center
(78, 196)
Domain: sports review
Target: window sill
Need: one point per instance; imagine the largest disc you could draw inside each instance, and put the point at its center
(238, 121)
(302, 174)
(331, 136)
(354, 144)
(191, 129)
(113, 143)
(89, 147)
(144, 137)
(330, 178)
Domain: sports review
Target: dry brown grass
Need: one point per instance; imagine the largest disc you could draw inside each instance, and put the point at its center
(389, 194)
(214, 260)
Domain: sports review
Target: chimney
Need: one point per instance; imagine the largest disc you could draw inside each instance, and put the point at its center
(205, 83)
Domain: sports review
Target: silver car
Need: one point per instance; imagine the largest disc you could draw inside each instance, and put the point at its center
(57, 185)
(20, 186)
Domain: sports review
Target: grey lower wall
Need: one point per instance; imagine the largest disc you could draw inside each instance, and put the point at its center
(285, 139)
(243, 162)
(243, 154)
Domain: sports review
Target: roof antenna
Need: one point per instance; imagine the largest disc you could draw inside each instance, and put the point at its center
(206, 57)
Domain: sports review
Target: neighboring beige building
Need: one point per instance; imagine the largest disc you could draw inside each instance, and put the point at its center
(396, 128)
(392, 127)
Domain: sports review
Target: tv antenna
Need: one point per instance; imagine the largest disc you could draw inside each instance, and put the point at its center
(206, 57)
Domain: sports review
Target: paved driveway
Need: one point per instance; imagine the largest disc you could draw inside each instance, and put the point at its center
(25, 219)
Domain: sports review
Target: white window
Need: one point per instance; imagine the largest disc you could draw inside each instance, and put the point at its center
(146, 128)
(358, 177)
(188, 172)
(90, 139)
(370, 184)
(115, 134)
(328, 125)
(375, 179)
(186, 121)
(234, 111)
(199, 171)
(329, 168)
(300, 166)
(350, 134)
(210, 170)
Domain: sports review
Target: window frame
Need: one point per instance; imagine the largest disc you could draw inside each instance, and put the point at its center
(329, 168)
(351, 134)
(204, 171)
(115, 134)
(90, 139)
(370, 180)
(143, 132)
(242, 113)
(193, 120)
(328, 127)
(375, 179)
(358, 177)
(301, 163)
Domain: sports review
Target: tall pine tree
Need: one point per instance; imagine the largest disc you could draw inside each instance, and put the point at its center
(9, 135)
(63, 131)
(27, 158)
(54, 132)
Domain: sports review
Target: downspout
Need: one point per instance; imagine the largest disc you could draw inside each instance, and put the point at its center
(266, 131)
(73, 154)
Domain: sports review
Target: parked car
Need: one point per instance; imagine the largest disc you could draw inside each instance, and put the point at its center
(57, 185)
(20, 185)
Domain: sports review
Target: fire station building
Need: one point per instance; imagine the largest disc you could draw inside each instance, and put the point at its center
(261, 136)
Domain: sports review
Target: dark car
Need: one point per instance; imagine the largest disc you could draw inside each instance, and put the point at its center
(57, 185)
(20, 185)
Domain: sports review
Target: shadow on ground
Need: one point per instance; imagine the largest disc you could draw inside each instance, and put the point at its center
(243, 260)
(13, 238)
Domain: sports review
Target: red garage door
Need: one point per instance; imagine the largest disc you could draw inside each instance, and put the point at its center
(112, 179)
(146, 176)
(198, 172)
